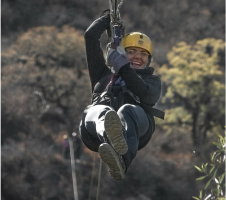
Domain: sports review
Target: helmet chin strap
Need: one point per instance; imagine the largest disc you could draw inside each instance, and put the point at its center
(149, 63)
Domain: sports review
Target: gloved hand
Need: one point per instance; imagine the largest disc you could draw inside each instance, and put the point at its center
(116, 58)
(106, 14)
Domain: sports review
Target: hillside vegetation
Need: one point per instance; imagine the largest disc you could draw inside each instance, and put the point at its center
(45, 88)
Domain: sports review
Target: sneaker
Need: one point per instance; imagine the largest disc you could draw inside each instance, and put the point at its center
(113, 161)
(114, 132)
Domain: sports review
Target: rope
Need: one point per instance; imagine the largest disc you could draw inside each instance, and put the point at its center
(73, 169)
(98, 187)
(92, 176)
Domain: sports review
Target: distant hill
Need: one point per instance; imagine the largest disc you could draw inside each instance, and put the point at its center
(166, 22)
(45, 88)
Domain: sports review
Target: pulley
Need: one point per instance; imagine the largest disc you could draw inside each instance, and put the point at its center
(117, 26)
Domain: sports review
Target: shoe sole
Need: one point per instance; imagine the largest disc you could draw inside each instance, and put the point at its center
(111, 159)
(113, 129)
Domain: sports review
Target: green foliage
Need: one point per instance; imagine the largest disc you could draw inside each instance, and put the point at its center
(195, 86)
(193, 72)
(45, 88)
(48, 46)
(176, 116)
(214, 173)
(44, 75)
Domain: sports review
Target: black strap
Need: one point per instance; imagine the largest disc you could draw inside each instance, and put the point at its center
(116, 102)
(149, 109)
(158, 113)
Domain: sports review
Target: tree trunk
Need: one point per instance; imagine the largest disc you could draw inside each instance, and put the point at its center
(195, 137)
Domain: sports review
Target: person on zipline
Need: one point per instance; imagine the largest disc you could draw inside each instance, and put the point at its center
(120, 121)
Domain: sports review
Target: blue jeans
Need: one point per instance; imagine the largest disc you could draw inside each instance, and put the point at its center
(133, 119)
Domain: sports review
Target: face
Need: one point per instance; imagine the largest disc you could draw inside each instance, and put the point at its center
(138, 57)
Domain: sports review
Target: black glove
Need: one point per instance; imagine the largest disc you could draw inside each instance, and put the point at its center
(106, 14)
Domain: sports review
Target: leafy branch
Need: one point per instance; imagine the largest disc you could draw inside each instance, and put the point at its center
(214, 171)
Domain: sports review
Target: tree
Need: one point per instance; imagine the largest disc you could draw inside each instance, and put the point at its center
(195, 87)
(44, 77)
(45, 88)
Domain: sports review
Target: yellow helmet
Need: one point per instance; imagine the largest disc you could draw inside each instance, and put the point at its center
(137, 39)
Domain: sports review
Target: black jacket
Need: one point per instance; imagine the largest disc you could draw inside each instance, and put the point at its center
(141, 82)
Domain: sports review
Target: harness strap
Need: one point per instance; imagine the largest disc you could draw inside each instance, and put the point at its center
(115, 103)
(154, 111)
(111, 95)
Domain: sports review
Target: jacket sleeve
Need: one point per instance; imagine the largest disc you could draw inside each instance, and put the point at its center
(147, 88)
(95, 57)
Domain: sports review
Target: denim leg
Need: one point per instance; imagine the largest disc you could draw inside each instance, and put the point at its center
(136, 124)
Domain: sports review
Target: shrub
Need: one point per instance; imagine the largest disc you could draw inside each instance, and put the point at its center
(195, 88)
(214, 171)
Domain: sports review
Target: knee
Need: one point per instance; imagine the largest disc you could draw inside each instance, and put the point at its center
(127, 108)
(134, 111)
(131, 109)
